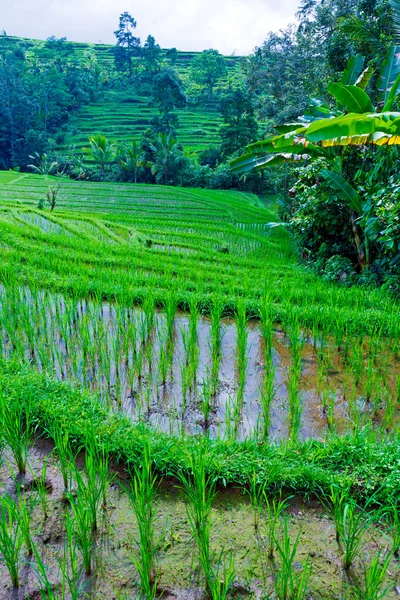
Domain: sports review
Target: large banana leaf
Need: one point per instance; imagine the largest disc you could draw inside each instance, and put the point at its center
(351, 97)
(353, 69)
(392, 94)
(353, 125)
(344, 190)
(388, 74)
(295, 152)
(365, 77)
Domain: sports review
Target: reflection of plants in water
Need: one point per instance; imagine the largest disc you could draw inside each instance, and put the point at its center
(295, 401)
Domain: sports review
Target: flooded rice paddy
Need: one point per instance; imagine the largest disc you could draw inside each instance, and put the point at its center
(233, 377)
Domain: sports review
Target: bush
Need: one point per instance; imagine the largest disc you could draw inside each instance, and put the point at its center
(340, 269)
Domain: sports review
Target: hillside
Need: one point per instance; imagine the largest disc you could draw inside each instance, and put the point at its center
(123, 115)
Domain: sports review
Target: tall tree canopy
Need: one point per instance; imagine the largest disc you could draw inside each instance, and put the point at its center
(128, 46)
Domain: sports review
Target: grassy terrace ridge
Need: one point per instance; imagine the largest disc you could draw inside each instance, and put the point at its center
(201, 244)
(363, 461)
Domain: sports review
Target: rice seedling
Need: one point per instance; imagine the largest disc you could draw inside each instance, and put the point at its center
(18, 430)
(288, 584)
(199, 492)
(373, 585)
(393, 518)
(23, 509)
(142, 497)
(354, 525)
(222, 577)
(295, 400)
(275, 509)
(330, 407)
(82, 528)
(12, 537)
(206, 400)
(335, 503)
(256, 493)
(64, 454)
(40, 484)
(46, 590)
(170, 307)
(216, 341)
(267, 325)
(69, 561)
(241, 343)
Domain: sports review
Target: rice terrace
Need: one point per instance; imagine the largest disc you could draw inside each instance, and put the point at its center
(200, 310)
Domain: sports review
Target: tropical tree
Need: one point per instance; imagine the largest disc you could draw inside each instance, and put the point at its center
(131, 160)
(168, 95)
(43, 164)
(152, 54)
(128, 45)
(208, 68)
(240, 125)
(101, 151)
(167, 157)
(328, 133)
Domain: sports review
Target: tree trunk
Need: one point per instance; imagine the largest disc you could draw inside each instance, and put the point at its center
(362, 261)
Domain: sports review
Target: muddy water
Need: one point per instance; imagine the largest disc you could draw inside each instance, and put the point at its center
(127, 356)
(176, 563)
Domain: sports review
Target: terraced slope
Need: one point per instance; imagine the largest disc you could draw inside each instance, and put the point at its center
(120, 120)
(123, 119)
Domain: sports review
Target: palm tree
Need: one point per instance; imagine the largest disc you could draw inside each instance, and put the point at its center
(132, 161)
(166, 155)
(43, 166)
(101, 151)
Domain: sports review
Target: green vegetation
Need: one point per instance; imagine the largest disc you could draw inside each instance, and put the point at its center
(186, 409)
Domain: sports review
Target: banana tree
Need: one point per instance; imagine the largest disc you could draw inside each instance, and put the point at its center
(324, 132)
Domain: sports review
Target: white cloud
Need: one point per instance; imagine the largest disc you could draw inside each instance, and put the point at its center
(227, 25)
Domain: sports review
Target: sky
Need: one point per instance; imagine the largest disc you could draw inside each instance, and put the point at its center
(227, 25)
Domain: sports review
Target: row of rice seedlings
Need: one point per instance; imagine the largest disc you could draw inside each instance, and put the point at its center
(91, 486)
(216, 341)
(102, 346)
(241, 359)
(199, 492)
(142, 497)
(294, 396)
(269, 388)
(351, 524)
